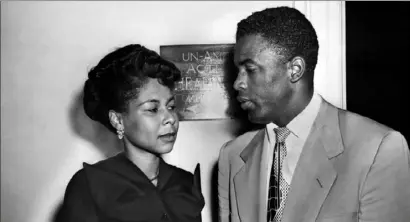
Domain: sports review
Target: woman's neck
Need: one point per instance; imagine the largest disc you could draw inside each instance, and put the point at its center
(147, 162)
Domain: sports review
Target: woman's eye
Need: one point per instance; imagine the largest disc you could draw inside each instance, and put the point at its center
(172, 107)
(154, 110)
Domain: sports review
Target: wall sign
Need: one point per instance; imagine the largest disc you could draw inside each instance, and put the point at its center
(200, 95)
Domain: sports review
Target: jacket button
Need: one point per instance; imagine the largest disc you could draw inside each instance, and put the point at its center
(165, 216)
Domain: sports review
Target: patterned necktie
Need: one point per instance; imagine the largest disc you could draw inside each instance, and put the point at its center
(278, 187)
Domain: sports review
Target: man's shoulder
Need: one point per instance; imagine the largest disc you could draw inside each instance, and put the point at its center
(355, 124)
(364, 135)
(238, 144)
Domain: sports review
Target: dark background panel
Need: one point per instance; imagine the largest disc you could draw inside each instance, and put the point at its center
(378, 61)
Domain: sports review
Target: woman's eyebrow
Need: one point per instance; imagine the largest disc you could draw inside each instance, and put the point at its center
(148, 101)
(170, 99)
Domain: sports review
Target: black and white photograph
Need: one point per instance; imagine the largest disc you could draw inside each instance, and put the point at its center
(205, 111)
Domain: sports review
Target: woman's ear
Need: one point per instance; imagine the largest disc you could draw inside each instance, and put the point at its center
(116, 120)
(297, 68)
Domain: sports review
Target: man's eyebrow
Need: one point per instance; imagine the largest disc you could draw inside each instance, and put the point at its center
(243, 62)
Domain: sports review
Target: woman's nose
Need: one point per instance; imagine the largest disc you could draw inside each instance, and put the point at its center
(170, 117)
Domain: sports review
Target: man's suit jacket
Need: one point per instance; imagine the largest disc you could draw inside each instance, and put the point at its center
(351, 169)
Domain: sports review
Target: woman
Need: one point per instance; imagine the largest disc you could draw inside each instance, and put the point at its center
(130, 92)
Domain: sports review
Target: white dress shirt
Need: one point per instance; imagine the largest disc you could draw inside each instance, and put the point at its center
(300, 128)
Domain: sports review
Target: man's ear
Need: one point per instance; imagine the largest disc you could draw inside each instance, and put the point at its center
(297, 68)
(116, 120)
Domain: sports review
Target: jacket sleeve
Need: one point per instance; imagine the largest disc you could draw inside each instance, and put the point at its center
(77, 205)
(223, 185)
(386, 192)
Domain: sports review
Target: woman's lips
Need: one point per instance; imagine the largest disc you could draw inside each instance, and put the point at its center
(169, 137)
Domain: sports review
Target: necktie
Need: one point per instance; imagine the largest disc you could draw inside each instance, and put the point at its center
(278, 187)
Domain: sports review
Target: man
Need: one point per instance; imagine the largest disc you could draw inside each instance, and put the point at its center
(312, 161)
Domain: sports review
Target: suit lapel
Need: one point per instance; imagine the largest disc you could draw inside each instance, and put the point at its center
(315, 174)
(247, 181)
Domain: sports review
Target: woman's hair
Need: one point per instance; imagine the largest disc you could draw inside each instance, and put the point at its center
(119, 77)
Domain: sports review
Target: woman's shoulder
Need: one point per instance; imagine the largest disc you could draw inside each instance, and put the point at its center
(95, 184)
(181, 174)
(107, 163)
(77, 182)
(185, 198)
(80, 181)
(77, 201)
(186, 177)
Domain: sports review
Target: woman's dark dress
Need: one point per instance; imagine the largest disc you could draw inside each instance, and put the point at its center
(116, 190)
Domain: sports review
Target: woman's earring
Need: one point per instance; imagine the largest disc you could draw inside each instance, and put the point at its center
(120, 133)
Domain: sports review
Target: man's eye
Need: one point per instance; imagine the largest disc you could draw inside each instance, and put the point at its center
(250, 70)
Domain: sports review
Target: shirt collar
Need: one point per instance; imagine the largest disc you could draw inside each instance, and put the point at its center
(300, 125)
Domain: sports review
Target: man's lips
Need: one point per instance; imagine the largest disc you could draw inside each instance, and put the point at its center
(242, 99)
(245, 102)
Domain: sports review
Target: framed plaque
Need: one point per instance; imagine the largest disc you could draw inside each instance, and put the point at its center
(201, 94)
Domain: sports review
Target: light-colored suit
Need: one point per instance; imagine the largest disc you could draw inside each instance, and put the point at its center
(351, 169)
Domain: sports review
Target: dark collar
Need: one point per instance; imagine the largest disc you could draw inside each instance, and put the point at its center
(123, 192)
(121, 166)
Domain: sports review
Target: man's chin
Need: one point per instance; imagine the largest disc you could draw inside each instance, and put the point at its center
(254, 118)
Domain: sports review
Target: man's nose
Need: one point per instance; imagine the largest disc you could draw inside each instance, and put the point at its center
(239, 83)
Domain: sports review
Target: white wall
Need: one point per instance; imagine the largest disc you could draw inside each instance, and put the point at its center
(46, 51)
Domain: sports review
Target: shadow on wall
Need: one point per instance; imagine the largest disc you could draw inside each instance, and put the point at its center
(104, 140)
(92, 131)
(234, 109)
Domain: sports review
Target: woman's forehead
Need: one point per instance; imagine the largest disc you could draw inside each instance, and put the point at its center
(154, 90)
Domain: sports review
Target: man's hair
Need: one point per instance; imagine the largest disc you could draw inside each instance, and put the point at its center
(287, 30)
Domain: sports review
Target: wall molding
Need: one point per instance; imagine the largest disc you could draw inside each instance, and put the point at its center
(329, 20)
